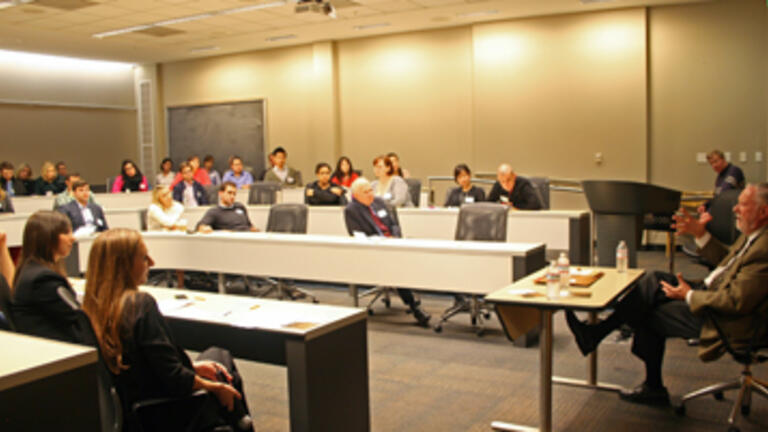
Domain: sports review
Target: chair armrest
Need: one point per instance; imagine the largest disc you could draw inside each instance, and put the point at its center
(169, 413)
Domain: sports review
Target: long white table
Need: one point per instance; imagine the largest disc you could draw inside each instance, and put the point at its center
(432, 265)
(324, 348)
(53, 378)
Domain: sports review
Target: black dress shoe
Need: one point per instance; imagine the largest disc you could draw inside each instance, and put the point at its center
(581, 332)
(643, 394)
(422, 318)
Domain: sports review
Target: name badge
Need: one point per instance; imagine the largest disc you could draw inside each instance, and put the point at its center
(504, 198)
(239, 211)
(469, 199)
(289, 180)
(387, 196)
(99, 222)
(381, 213)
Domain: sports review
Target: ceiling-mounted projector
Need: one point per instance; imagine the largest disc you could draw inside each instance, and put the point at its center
(317, 6)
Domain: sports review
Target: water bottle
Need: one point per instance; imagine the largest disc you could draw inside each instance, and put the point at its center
(563, 265)
(553, 280)
(622, 257)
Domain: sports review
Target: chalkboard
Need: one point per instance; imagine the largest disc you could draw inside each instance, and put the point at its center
(220, 130)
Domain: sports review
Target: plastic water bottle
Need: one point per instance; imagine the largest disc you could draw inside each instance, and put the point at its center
(563, 265)
(622, 257)
(553, 280)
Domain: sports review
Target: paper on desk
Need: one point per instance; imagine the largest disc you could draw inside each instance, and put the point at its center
(524, 292)
(576, 271)
(169, 305)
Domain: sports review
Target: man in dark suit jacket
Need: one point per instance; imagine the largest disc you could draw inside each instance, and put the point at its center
(10, 184)
(81, 213)
(371, 216)
(197, 197)
(665, 305)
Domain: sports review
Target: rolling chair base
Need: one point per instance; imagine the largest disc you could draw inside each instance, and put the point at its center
(478, 310)
(287, 290)
(746, 385)
(377, 293)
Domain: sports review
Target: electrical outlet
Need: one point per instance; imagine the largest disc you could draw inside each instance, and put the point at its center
(701, 157)
(758, 156)
(742, 156)
(727, 156)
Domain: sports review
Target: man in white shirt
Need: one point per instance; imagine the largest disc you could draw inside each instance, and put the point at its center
(86, 217)
(665, 305)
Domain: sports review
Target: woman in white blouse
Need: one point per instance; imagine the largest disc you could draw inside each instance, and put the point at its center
(164, 213)
(388, 186)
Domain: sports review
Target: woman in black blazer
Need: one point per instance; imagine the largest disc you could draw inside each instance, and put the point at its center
(465, 192)
(38, 308)
(137, 345)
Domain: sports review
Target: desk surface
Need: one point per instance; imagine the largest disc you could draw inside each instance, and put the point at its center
(606, 289)
(304, 320)
(26, 358)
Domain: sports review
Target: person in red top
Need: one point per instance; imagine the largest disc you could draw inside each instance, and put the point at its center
(201, 176)
(344, 174)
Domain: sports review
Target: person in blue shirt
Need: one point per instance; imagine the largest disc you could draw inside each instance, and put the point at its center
(242, 179)
(729, 176)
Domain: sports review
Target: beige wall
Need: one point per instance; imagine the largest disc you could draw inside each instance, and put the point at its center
(708, 87)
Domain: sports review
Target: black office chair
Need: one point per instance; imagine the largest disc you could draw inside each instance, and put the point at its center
(144, 219)
(6, 321)
(723, 224)
(110, 181)
(263, 193)
(154, 415)
(747, 356)
(414, 190)
(287, 218)
(212, 194)
(541, 186)
(477, 222)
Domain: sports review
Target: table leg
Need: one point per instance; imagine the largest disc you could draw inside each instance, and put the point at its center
(545, 381)
(328, 381)
(222, 288)
(353, 293)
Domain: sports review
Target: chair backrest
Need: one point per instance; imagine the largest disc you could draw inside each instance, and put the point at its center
(723, 226)
(541, 186)
(288, 218)
(482, 222)
(110, 182)
(414, 189)
(263, 193)
(5, 305)
(143, 219)
(212, 194)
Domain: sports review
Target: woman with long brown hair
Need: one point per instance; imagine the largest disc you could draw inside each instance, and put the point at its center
(38, 308)
(136, 342)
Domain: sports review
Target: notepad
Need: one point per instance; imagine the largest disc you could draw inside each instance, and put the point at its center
(300, 325)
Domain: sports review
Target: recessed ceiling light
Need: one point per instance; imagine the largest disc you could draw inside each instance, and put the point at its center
(280, 37)
(478, 14)
(371, 26)
(204, 49)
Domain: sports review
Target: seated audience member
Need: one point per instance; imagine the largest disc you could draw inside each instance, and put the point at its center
(664, 305)
(137, 345)
(61, 172)
(228, 215)
(68, 195)
(198, 173)
(130, 179)
(242, 179)
(281, 172)
(6, 206)
(212, 173)
(465, 192)
(388, 186)
(164, 213)
(398, 170)
(37, 308)
(7, 269)
(321, 191)
(729, 176)
(46, 184)
(25, 177)
(513, 190)
(10, 184)
(369, 215)
(189, 192)
(344, 174)
(86, 217)
(166, 175)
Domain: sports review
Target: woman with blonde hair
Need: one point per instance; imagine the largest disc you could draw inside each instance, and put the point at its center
(164, 212)
(136, 342)
(38, 308)
(46, 184)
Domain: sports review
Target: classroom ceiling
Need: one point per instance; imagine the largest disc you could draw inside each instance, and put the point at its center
(66, 27)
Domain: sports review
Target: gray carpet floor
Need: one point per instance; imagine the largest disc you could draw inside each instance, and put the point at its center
(455, 381)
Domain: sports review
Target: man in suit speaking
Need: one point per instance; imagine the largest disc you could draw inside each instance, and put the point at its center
(370, 216)
(664, 305)
(86, 217)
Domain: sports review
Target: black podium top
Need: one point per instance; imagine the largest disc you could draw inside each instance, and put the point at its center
(625, 197)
